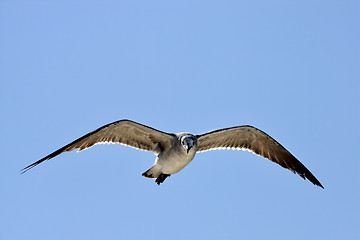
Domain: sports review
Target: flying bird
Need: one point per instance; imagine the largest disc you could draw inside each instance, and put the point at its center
(175, 151)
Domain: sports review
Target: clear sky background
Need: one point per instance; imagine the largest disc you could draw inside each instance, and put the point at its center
(290, 68)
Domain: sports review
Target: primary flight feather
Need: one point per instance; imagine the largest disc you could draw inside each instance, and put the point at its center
(175, 151)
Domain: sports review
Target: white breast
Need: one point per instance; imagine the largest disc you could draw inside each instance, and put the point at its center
(175, 161)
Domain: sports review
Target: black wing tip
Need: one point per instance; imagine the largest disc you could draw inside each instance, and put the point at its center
(27, 168)
(317, 183)
(312, 179)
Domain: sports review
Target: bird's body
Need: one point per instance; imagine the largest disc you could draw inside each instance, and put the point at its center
(174, 158)
(175, 151)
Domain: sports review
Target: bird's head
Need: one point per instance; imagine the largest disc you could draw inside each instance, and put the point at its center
(189, 142)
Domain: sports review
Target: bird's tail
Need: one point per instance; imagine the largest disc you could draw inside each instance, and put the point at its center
(153, 172)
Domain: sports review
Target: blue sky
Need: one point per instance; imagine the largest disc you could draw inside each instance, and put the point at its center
(290, 68)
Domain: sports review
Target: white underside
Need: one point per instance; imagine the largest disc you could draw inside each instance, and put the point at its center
(174, 163)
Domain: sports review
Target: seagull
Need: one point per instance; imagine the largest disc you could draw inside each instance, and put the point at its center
(175, 151)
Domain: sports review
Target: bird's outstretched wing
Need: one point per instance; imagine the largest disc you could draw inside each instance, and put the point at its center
(125, 132)
(257, 141)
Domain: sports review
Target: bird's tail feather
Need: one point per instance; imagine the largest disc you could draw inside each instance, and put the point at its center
(153, 172)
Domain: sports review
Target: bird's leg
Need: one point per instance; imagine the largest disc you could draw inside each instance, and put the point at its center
(161, 178)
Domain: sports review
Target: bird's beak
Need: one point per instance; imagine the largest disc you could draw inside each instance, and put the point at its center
(187, 147)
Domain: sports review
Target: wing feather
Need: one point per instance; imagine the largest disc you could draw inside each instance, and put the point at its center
(125, 132)
(257, 141)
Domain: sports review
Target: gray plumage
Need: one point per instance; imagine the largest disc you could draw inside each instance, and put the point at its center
(175, 151)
